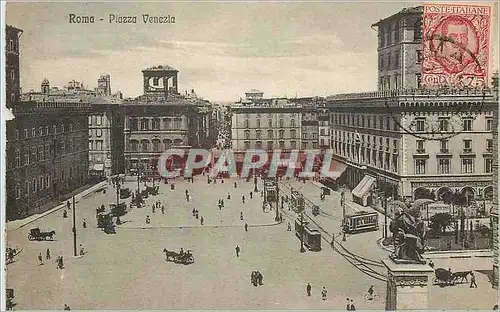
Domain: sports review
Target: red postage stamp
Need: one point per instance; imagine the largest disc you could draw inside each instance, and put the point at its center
(455, 43)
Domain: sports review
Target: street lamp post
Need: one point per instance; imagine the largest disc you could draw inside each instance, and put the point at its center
(74, 227)
(302, 249)
(277, 200)
(385, 215)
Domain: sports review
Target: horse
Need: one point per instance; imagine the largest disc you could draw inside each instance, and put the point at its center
(461, 275)
(170, 254)
(50, 234)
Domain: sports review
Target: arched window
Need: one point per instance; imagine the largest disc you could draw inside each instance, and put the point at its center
(389, 35)
(18, 191)
(134, 124)
(396, 32)
(167, 144)
(156, 145)
(247, 134)
(134, 145)
(145, 145)
(177, 142)
(33, 185)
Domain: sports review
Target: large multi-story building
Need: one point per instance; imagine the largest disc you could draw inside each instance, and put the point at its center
(400, 49)
(494, 210)
(12, 74)
(46, 153)
(162, 119)
(415, 143)
(46, 143)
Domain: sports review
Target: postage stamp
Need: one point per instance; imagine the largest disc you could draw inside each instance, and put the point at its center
(455, 45)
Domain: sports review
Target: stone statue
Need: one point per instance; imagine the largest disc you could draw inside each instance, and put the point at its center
(408, 232)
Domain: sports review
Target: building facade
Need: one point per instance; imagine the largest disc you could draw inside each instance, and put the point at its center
(416, 143)
(46, 154)
(12, 74)
(162, 119)
(265, 128)
(494, 210)
(400, 50)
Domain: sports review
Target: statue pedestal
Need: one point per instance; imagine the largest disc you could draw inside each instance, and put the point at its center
(407, 285)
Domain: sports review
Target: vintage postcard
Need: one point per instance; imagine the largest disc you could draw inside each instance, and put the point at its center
(250, 155)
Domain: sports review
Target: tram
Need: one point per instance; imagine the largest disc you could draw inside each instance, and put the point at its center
(310, 233)
(361, 221)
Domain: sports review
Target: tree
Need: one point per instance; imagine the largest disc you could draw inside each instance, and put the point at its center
(440, 222)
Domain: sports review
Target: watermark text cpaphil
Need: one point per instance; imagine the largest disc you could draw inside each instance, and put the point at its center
(122, 19)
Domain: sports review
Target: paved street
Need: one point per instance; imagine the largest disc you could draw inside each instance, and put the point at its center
(128, 270)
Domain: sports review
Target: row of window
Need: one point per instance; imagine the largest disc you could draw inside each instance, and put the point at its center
(42, 183)
(281, 145)
(444, 146)
(367, 156)
(42, 152)
(154, 123)
(393, 61)
(95, 120)
(42, 131)
(281, 123)
(349, 137)
(96, 145)
(271, 115)
(390, 34)
(373, 121)
(156, 145)
(388, 123)
(444, 165)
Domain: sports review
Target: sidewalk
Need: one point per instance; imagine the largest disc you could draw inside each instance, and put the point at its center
(16, 224)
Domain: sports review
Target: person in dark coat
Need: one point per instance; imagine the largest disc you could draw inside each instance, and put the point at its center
(237, 249)
(348, 305)
(352, 307)
(84, 224)
(251, 194)
(40, 258)
(48, 254)
(473, 280)
(228, 195)
(243, 198)
(246, 227)
(308, 289)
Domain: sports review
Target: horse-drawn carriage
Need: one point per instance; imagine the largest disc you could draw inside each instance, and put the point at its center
(137, 201)
(447, 278)
(125, 193)
(119, 210)
(106, 223)
(145, 193)
(36, 234)
(152, 190)
(181, 257)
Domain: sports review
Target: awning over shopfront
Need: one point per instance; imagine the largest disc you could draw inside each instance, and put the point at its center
(98, 167)
(336, 170)
(364, 186)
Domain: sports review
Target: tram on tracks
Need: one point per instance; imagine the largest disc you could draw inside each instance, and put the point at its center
(360, 221)
(310, 233)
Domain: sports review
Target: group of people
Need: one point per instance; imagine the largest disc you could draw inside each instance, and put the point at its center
(324, 292)
(158, 205)
(256, 278)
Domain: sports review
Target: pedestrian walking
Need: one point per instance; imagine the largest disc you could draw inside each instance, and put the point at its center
(235, 184)
(246, 227)
(348, 305)
(241, 215)
(472, 280)
(431, 264)
(65, 214)
(332, 244)
(251, 194)
(308, 289)
(84, 224)
(148, 220)
(47, 256)
(196, 215)
(201, 220)
(153, 208)
(228, 195)
(82, 251)
(40, 259)
(323, 293)
(237, 249)
(66, 307)
(243, 198)
(162, 209)
(352, 307)
(193, 212)
(222, 202)
(289, 227)
(68, 205)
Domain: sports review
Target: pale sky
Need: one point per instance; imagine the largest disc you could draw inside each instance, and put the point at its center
(220, 49)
